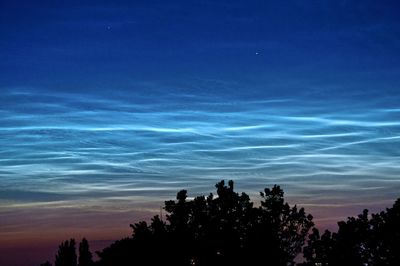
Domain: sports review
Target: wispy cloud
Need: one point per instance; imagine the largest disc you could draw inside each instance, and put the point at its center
(66, 149)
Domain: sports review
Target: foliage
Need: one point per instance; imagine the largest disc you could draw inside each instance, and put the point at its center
(362, 240)
(85, 256)
(222, 230)
(228, 229)
(66, 255)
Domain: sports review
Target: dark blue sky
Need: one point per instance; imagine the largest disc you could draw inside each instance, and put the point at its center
(103, 44)
(107, 108)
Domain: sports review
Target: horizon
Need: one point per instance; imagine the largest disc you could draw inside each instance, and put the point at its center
(109, 109)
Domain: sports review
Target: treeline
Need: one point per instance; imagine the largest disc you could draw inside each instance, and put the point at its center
(230, 230)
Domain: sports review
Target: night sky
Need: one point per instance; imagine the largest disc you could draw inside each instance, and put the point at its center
(108, 109)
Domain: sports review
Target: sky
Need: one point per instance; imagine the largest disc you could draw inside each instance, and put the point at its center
(108, 108)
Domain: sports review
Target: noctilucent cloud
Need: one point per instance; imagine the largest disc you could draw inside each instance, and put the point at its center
(108, 109)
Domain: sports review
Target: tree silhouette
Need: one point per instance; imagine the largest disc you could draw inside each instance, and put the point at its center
(222, 230)
(85, 256)
(228, 229)
(284, 228)
(66, 255)
(361, 240)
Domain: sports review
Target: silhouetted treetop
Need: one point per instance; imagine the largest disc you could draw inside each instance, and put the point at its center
(66, 255)
(222, 230)
(228, 229)
(362, 240)
(85, 256)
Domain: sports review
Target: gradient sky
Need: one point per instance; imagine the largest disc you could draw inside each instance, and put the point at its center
(108, 109)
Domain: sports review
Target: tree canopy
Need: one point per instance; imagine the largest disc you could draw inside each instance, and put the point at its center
(362, 240)
(226, 229)
(66, 255)
(229, 229)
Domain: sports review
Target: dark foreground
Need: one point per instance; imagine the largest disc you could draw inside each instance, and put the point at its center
(228, 229)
